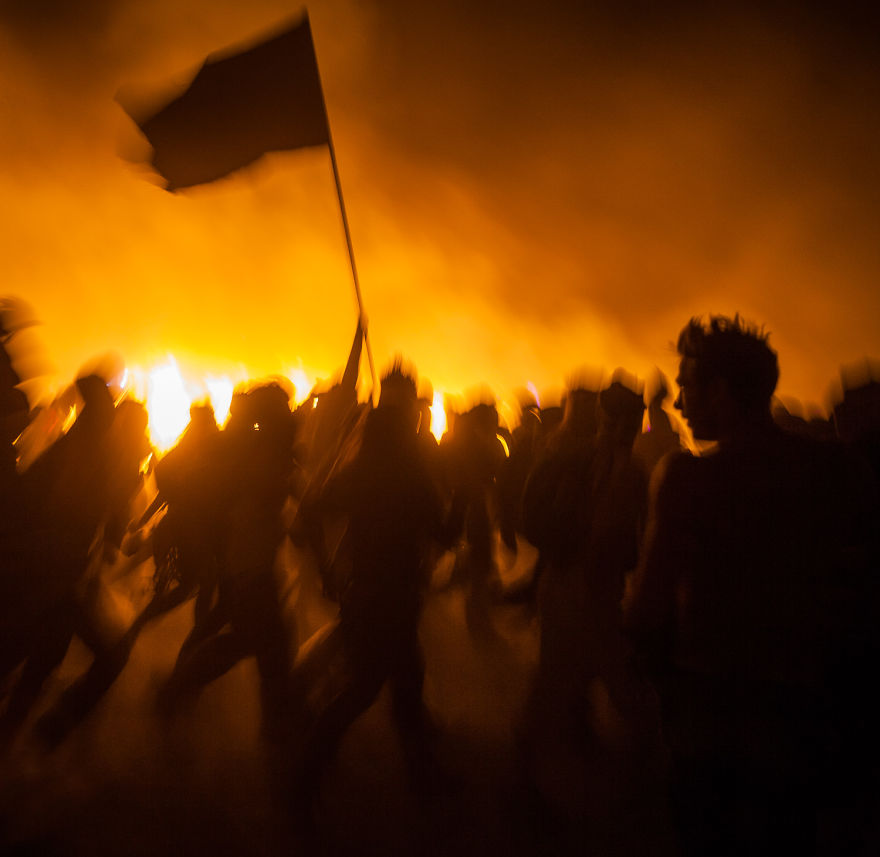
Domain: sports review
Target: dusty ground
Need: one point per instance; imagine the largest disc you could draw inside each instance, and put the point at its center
(125, 785)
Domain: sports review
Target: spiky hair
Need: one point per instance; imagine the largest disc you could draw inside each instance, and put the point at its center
(400, 378)
(736, 351)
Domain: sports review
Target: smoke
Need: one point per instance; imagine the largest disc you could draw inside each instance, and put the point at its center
(528, 190)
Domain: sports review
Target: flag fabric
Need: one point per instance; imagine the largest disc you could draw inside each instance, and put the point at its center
(238, 107)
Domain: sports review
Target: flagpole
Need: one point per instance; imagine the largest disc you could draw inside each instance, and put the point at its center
(354, 273)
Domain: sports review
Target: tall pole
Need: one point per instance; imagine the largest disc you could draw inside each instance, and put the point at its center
(354, 274)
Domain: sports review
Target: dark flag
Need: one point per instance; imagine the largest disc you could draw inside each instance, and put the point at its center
(238, 107)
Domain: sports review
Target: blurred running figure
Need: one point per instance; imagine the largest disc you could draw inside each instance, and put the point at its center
(393, 514)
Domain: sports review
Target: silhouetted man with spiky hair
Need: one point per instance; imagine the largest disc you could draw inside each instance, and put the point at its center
(750, 599)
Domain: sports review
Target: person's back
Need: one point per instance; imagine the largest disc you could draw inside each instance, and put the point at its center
(770, 546)
(393, 511)
(557, 497)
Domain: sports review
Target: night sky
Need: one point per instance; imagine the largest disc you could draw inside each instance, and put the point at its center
(531, 188)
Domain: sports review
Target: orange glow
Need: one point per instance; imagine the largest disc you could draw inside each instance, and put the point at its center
(220, 391)
(69, 420)
(438, 416)
(168, 392)
(168, 405)
(301, 382)
(508, 415)
(534, 391)
(494, 252)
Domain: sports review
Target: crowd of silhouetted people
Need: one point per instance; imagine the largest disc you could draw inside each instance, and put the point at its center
(719, 584)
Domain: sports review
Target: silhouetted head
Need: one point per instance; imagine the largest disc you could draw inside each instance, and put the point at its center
(202, 420)
(202, 413)
(132, 416)
(268, 411)
(240, 418)
(621, 410)
(98, 411)
(130, 428)
(580, 412)
(398, 389)
(529, 412)
(484, 420)
(269, 401)
(397, 415)
(727, 375)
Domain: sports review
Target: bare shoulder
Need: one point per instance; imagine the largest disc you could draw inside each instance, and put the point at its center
(676, 470)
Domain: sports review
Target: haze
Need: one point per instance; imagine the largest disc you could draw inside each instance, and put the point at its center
(531, 188)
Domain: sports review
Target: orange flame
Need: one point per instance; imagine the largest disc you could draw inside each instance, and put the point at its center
(438, 416)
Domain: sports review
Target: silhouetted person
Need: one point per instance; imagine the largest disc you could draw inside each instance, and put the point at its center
(429, 443)
(332, 428)
(473, 457)
(126, 448)
(393, 512)
(19, 359)
(857, 416)
(618, 511)
(256, 461)
(557, 515)
(557, 490)
(661, 437)
(187, 542)
(620, 490)
(751, 597)
(527, 444)
(68, 496)
(16, 588)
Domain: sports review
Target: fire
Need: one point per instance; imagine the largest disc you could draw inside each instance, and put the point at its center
(220, 389)
(438, 416)
(168, 392)
(301, 382)
(168, 404)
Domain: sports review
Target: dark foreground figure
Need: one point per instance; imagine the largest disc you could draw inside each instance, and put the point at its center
(755, 603)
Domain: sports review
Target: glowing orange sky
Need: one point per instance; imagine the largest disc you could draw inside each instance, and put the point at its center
(528, 191)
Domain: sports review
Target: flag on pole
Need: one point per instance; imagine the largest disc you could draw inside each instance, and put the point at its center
(239, 106)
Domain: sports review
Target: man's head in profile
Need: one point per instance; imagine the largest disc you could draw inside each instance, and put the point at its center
(726, 377)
